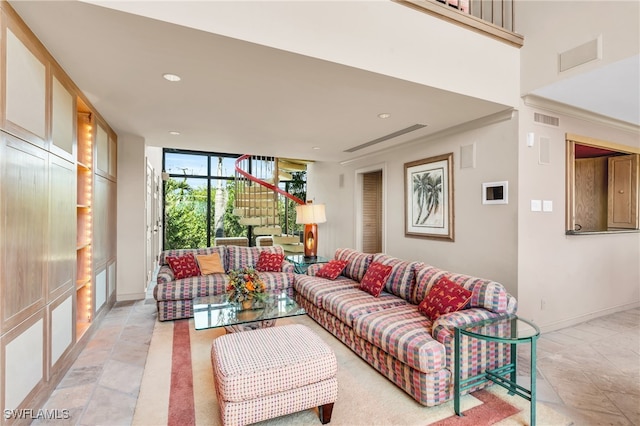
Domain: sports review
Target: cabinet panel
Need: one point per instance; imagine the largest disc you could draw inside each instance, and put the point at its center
(62, 226)
(101, 207)
(62, 121)
(623, 190)
(24, 199)
(591, 194)
(102, 151)
(25, 91)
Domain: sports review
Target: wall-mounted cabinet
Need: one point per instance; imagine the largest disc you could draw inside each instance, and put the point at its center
(50, 280)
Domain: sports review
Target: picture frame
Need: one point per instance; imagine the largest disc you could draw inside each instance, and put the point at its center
(428, 195)
(495, 192)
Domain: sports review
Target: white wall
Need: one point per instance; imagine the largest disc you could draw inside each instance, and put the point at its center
(553, 27)
(563, 280)
(131, 218)
(485, 235)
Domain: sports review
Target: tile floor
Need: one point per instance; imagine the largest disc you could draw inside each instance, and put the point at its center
(589, 372)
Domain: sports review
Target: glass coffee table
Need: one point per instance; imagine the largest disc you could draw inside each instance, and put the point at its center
(217, 311)
(301, 262)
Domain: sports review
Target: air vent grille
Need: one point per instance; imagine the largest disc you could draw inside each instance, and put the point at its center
(386, 137)
(546, 119)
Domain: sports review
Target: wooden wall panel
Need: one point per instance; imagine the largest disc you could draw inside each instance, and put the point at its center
(62, 228)
(23, 206)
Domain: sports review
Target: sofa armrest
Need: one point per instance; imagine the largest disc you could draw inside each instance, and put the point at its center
(165, 274)
(314, 268)
(443, 326)
(288, 267)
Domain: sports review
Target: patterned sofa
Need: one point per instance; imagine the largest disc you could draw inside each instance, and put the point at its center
(392, 335)
(174, 298)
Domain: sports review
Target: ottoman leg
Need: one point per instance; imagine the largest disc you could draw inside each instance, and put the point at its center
(324, 412)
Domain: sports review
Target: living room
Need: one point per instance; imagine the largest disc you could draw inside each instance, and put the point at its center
(558, 278)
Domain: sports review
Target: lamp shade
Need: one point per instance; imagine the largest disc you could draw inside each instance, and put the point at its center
(310, 213)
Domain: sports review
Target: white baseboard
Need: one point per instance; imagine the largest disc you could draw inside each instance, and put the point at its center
(558, 325)
(130, 296)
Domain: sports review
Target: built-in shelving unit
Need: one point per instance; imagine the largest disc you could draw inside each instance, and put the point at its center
(84, 259)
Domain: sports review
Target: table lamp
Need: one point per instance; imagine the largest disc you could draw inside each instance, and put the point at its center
(310, 215)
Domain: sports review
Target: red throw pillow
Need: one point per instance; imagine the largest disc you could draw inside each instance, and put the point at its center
(375, 278)
(444, 297)
(184, 266)
(332, 269)
(269, 262)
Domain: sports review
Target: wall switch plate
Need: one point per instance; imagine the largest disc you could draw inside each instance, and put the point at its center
(547, 206)
(536, 205)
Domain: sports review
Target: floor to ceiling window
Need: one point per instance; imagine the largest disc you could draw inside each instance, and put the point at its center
(197, 194)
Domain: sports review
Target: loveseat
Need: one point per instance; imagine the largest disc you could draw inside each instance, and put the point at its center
(389, 331)
(174, 297)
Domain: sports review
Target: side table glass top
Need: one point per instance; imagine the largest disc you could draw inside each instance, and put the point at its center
(506, 329)
(217, 311)
(302, 262)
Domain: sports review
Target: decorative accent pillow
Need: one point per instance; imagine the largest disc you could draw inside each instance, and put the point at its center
(444, 297)
(375, 278)
(183, 266)
(332, 269)
(269, 262)
(210, 264)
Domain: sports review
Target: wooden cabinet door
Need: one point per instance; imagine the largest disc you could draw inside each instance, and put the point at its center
(623, 190)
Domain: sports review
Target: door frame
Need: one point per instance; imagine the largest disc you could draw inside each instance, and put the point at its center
(359, 208)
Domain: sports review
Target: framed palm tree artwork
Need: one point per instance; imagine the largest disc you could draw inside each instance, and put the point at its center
(428, 194)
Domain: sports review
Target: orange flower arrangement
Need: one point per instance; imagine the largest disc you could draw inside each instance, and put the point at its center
(245, 285)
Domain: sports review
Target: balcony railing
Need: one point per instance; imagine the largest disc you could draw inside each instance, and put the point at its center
(494, 18)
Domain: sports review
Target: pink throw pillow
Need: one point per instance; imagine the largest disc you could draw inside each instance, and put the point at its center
(375, 278)
(269, 262)
(332, 270)
(444, 297)
(183, 266)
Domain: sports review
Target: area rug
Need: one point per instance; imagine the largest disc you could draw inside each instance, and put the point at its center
(177, 389)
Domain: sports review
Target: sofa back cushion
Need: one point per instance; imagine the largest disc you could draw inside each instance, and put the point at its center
(486, 294)
(402, 279)
(357, 265)
(200, 251)
(247, 257)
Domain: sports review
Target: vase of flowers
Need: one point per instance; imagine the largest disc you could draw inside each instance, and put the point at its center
(245, 287)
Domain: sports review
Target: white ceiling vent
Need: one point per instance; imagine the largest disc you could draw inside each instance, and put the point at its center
(582, 54)
(546, 119)
(386, 137)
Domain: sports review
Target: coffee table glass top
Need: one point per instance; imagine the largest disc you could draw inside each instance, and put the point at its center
(217, 311)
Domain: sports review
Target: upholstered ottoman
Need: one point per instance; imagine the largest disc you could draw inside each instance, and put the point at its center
(271, 372)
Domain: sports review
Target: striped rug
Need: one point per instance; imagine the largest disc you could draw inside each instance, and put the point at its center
(177, 389)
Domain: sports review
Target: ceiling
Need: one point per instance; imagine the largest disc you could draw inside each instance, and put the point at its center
(235, 96)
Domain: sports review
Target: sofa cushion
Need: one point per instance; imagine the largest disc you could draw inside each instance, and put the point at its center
(247, 257)
(358, 262)
(444, 297)
(332, 269)
(426, 277)
(183, 266)
(405, 334)
(314, 288)
(402, 279)
(277, 280)
(375, 278)
(188, 288)
(210, 264)
(199, 251)
(347, 305)
(269, 262)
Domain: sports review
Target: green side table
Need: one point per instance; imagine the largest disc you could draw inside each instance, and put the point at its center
(508, 329)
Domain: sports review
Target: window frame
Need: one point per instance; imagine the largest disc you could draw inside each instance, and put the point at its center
(571, 140)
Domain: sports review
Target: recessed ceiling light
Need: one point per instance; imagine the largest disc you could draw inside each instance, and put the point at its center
(384, 115)
(171, 77)
(316, 147)
(174, 133)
